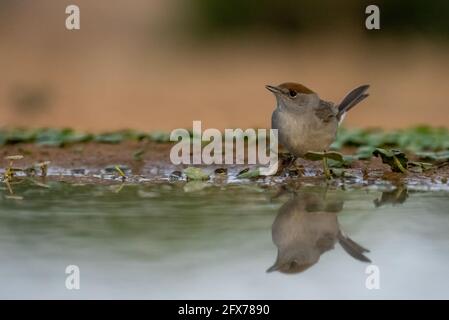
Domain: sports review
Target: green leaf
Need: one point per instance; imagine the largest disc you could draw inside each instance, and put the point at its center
(77, 137)
(337, 172)
(130, 134)
(60, 137)
(419, 167)
(417, 139)
(113, 169)
(347, 137)
(194, 186)
(159, 136)
(316, 156)
(120, 171)
(137, 155)
(347, 161)
(434, 156)
(193, 173)
(397, 196)
(396, 159)
(365, 152)
(112, 138)
(50, 137)
(249, 174)
(19, 136)
(333, 155)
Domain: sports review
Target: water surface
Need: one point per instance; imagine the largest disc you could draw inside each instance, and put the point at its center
(209, 241)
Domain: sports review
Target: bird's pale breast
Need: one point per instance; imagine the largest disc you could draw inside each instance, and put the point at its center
(303, 132)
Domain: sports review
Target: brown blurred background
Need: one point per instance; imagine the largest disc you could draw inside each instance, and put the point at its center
(159, 64)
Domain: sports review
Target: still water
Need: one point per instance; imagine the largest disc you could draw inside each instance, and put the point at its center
(208, 241)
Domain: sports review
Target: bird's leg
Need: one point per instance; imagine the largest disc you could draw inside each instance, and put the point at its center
(282, 190)
(291, 161)
(326, 171)
(287, 160)
(294, 169)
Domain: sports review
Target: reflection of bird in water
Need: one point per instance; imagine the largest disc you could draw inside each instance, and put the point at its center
(394, 197)
(306, 227)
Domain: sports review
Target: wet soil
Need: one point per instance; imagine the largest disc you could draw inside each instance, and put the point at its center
(148, 161)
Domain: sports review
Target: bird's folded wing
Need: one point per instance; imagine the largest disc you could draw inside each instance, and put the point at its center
(325, 111)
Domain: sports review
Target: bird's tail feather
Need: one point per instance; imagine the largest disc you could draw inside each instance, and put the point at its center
(352, 248)
(351, 99)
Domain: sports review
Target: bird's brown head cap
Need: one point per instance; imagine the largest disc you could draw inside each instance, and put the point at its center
(290, 88)
(298, 88)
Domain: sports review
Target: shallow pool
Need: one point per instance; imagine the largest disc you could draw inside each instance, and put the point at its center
(172, 240)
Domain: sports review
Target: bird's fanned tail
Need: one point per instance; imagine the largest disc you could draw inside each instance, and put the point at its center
(352, 99)
(352, 248)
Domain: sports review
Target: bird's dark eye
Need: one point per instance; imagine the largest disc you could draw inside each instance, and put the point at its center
(292, 93)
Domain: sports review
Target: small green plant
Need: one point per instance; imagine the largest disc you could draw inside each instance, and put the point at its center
(10, 171)
(193, 173)
(120, 172)
(396, 159)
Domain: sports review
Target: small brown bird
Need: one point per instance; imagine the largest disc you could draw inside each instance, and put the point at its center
(307, 123)
(305, 228)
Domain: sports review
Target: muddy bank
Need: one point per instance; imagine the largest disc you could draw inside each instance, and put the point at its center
(148, 161)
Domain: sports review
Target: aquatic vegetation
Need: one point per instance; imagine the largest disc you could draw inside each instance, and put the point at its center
(420, 155)
(193, 173)
(138, 154)
(9, 177)
(120, 172)
(396, 159)
(434, 156)
(248, 174)
(52, 137)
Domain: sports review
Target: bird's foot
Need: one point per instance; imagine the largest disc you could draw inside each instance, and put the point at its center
(295, 169)
(326, 170)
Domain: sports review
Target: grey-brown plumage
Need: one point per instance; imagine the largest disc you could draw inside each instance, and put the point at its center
(304, 121)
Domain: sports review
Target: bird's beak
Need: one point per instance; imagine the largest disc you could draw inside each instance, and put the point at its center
(273, 89)
(272, 268)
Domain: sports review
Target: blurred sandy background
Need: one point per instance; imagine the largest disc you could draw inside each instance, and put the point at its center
(158, 64)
